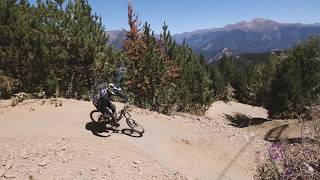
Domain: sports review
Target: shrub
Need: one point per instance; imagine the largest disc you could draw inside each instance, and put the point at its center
(239, 120)
(8, 86)
(291, 161)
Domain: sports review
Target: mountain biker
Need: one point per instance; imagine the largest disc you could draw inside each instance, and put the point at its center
(102, 100)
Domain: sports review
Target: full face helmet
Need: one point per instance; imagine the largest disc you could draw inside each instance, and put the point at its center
(114, 88)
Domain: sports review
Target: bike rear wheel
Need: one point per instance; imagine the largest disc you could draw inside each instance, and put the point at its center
(134, 125)
(95, 116)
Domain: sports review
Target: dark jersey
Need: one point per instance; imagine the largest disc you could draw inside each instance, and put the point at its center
(103, 95)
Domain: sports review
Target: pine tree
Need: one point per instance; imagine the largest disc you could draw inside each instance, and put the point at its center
(218, 85)
(193, 84)
(296, 84)
(165, 95)
(49, 38)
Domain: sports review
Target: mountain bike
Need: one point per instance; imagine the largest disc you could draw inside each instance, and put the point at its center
(96, 116)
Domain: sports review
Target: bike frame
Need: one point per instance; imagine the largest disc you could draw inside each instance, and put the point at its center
(123, 113)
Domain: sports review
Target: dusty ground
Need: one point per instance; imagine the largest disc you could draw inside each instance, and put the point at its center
(270, 130)
(41, 141)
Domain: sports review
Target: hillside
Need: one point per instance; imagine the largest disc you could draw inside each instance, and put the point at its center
(43, 141)
(116, 37)
(256, 36)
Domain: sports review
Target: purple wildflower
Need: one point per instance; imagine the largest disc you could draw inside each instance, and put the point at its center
(288, 173)
(276, 152)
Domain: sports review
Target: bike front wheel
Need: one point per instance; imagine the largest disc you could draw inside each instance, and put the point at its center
(134, 125)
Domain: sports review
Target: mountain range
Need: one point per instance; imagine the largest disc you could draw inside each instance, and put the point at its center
(255, 36)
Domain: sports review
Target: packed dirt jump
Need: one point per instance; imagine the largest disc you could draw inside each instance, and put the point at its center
(55, 139)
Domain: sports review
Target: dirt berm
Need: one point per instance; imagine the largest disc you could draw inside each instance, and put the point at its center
(41, 141)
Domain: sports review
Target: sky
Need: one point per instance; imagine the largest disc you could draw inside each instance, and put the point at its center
(189, 15)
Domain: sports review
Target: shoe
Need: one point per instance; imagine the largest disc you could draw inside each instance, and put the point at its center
(115, 124)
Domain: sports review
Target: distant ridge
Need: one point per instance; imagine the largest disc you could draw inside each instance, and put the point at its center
(255, 36)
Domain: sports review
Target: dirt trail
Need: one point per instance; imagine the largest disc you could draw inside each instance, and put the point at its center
(41, 141)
